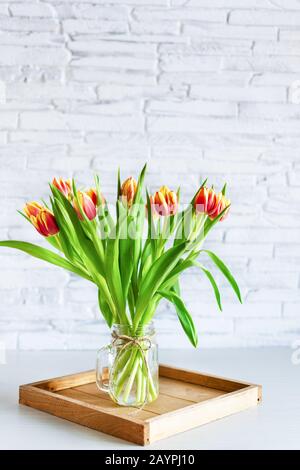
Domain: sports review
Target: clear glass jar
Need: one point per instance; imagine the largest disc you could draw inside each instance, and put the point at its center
(127, 368)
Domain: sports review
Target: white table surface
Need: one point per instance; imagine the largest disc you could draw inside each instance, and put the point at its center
(275, 424)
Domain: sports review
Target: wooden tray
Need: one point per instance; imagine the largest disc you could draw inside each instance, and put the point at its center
(187, 399)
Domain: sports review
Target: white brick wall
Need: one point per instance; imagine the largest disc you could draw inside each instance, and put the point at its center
(195, 87)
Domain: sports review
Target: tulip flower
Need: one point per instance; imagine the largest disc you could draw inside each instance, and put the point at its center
(87, 205)
(209, 203)
(165, 201)
(42, 219)
(45, 222)
(128, 190)
(206, 201)
(92, 193)
(223, 202)
(32, 209)
(64, 186)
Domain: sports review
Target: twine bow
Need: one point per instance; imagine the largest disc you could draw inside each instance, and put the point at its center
(139, 342)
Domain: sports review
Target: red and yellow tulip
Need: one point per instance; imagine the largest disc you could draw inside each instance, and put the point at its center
(164, 202)
(42, 219)
(92, 193)
(87, 205)
(208, 202)
(45, 223)
(223, 202)
(128, 190)
(64, 186)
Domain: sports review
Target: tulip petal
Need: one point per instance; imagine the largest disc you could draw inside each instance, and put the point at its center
(32, 208)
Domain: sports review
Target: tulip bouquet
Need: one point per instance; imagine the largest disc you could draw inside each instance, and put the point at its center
(134, 256)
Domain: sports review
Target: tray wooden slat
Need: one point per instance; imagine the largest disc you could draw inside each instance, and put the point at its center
(163, 404)
(104, 403)
(186, 400)
(187, 391)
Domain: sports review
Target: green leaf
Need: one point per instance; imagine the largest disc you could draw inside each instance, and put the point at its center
(172, 280)
(212, 281)
(119, 184)
(106, 222)
(98, 190)
(46, 255)
(183, 315)
(146, 259)
(25, 216)
(223, 191)
(131, 302)
(181, 266)
(226, 272)
(138, 222)
(105, 310)
(113, 277)
(140, 183)
(86, 248)
(125, 256)
(83, 244)
(103, 216)
(155, 277)
(67, 239)
(176, 288)
(66, 234)
(54, 241)
(152, 236)
(151, 309)
(119, 197)
(185, 225)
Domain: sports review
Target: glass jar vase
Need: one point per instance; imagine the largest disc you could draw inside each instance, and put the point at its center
(127, 368)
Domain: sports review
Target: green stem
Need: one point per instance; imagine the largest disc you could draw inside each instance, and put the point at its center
(124, 372)
(148, 376)
(139, 379)
(131, 379)
(130, 369)
(123, 358)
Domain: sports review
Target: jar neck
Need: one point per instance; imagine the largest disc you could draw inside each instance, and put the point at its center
(126, 330)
